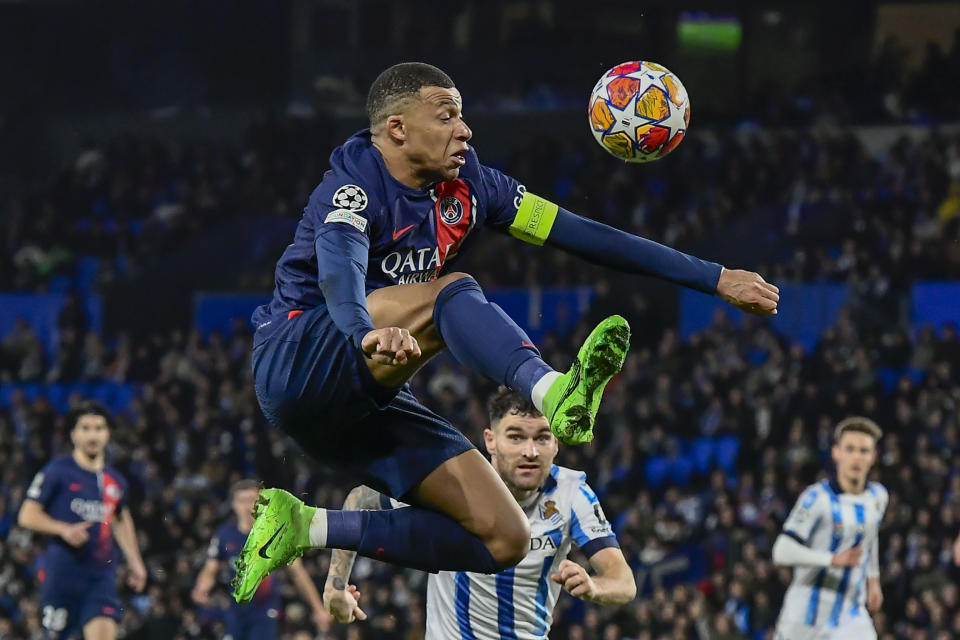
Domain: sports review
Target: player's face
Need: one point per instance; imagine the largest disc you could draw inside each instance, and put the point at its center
(854, 454)
(243, 502)
(90, 435)
(522, 449)
(436, 135)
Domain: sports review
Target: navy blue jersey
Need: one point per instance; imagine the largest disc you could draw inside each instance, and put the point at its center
(70, 493)
(226, 545)
(411, 235)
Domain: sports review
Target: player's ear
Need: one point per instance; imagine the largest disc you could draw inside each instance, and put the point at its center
(489, 438)
(396, 128)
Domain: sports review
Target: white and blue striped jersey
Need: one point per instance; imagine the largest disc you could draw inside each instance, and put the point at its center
(826, 518)
(518, 603)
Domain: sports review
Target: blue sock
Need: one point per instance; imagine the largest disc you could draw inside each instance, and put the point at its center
(410, 537)
(480, 335)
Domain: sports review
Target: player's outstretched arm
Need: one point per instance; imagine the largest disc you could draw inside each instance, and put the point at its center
(126, 536)
(341, 597)
(788, 552)
(613, 583)
(539, 221)
(33, 516)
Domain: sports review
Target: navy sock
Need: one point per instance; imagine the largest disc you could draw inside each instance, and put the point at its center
(410, 537)
(480, 335)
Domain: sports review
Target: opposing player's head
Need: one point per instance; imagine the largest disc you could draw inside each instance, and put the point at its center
(416, 118)
(89, 429)
(243, 496)
(855, 448)
(519, 441)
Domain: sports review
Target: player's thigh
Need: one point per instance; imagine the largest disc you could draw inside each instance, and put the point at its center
(100, 628)
(410, 307)
(61, 604)
(467, 489)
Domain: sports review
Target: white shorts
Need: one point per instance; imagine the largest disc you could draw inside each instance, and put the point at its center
(859, 628)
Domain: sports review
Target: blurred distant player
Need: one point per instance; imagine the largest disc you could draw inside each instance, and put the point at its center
(259, 620)
(81, 503)
(831, 540)
(364, 297)
(562, 510)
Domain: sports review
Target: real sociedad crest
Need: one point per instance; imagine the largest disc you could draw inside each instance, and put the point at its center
(451, 210)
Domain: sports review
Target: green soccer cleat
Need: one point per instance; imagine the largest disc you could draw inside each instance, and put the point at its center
(280, 534)
(571, 402)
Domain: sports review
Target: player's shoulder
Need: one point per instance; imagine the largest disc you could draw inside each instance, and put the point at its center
(570, 482)
(354, 178)
(812, 494)
(60, 463)
(475, 171)
(566, 476)
(877, 490)
(226, 530)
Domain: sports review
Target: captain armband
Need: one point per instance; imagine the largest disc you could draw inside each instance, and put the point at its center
(535, 218)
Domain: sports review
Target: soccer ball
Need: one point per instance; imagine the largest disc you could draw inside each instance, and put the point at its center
(639, 111)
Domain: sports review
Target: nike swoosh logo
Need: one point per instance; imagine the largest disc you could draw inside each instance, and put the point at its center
(524, 343)
(399, 232)
(263, 549)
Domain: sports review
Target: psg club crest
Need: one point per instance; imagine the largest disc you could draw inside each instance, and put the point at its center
(451, 210)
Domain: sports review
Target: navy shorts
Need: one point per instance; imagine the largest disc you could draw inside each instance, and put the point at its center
(313, 384)
(70, 599)
(258, 624)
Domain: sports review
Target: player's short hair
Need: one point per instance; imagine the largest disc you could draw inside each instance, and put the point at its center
(857, 424)
(243, 485)
(506, 401)
(401, 82)
(88, 408)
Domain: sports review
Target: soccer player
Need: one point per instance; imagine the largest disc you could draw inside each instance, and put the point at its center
(364, 297)
(831, 540)
(259, 620)
(562, 510)
(81, 503)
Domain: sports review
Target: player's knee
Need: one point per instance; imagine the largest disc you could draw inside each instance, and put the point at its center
(510, 544)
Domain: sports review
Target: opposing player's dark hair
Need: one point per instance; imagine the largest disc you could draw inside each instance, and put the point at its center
(506, 401)
(402, 81)
(88, 408)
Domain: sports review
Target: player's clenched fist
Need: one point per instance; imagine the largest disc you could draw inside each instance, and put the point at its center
(393, 346)
(76, 534)
(748, 291)
(575, 580)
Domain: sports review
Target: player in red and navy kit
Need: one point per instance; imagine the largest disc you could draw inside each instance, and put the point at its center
(364, 297)
(81, 503)
(258, 620)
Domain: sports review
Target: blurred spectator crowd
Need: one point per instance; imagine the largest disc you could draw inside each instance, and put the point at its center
(196, 428)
